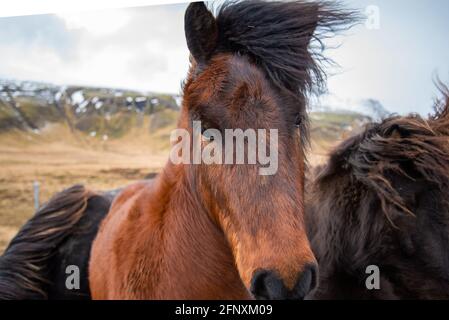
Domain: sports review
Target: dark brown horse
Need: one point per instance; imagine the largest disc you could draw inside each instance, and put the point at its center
(59, 234)
(224, 231)
(382, 200)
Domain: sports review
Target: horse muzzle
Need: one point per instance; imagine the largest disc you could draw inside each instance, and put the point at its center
(268, 285)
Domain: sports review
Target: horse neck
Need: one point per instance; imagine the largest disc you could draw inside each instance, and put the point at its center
(197, 258)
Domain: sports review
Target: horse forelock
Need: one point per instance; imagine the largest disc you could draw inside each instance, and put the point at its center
(277, 35)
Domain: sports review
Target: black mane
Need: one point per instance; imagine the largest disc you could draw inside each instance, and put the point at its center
(277, 35)
(25, 265)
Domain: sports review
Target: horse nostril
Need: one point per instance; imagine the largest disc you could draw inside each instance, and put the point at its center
(266, 285)
(307, 281)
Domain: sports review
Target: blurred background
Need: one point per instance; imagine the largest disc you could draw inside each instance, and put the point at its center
(91, 96)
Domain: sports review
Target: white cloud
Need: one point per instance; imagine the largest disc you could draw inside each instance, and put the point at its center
(97, 23)
(30, 7)
(137, 48)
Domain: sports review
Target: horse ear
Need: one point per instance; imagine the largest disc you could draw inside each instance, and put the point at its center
(201, 31)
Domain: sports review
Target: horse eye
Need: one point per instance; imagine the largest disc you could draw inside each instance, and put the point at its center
(298, 121)
(207, 134)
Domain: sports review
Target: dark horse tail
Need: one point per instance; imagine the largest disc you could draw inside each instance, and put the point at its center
(28, 266)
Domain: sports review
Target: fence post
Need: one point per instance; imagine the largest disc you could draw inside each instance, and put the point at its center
(36, 195)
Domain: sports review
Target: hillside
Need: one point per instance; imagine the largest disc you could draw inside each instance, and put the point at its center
(103, 112)
(106, 113)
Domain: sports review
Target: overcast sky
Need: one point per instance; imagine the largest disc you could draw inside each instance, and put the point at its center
(144, 48)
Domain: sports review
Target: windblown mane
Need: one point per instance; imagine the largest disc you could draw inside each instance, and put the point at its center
(397, 145)
(276, 36)
(24, 265)
(441, 107)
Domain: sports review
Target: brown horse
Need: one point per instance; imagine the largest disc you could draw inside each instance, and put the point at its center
(223, 231)
(382, 200)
